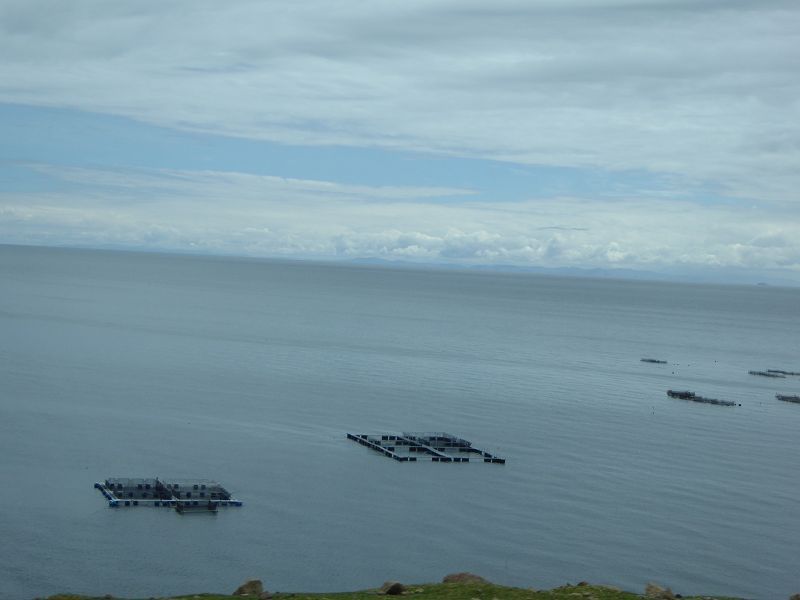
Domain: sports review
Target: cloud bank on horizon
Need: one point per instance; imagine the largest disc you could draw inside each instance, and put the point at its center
(644, 134)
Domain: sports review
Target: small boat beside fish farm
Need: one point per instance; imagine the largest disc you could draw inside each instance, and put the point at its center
(436, 447)
(655, 361)
(184, 495)
(788, 398)
(686, 395)
(768, 374)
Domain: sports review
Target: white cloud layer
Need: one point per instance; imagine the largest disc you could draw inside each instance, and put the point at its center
(705, 89)
(243, 214)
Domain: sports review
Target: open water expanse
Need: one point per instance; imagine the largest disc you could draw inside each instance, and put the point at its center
(251, 372)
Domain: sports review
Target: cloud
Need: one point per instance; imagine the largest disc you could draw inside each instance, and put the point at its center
(706, 90)
(207, 183)
(235, 213)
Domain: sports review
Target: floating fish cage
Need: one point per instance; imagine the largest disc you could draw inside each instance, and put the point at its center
(183, 495)
(686, 395)
(788, 398)
(770, 373)
(413, 447)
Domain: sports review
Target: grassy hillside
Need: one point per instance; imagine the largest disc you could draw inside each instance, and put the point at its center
(444, 591)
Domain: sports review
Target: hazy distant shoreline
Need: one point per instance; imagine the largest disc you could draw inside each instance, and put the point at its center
(719, 276)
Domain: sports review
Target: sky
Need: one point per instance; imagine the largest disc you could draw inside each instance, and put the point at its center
(660, 136)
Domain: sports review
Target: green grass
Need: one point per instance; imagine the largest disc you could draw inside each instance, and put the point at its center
(439, 591)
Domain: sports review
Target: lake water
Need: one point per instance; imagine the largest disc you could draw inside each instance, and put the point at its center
(251, 372)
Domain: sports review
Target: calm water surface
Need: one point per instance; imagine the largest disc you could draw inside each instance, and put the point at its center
(251, 372)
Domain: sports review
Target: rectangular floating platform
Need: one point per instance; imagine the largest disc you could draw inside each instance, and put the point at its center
(183, 495)
(770, 373)
(788, 398)
(413, 447)
(686, 395)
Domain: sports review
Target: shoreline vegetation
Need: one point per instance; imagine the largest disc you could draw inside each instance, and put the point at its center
(458, 586)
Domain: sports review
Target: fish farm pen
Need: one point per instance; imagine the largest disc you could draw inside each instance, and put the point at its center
(183, 495)
(769, 373)
(788, 398)
(691, 396)
(413, 447)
